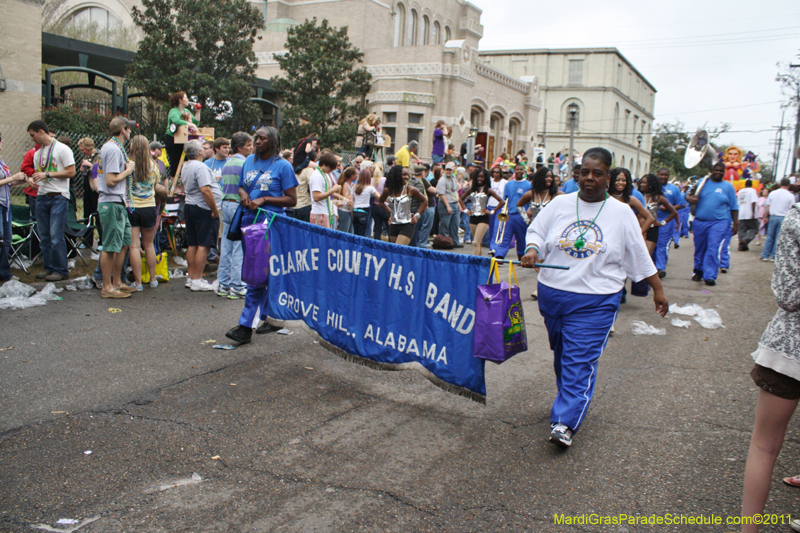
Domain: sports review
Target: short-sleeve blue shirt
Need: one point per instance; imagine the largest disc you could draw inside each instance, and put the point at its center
(636, 194)
(569, 186)
(513, 192)
(675, 197)
(716, 201)
(272, 177)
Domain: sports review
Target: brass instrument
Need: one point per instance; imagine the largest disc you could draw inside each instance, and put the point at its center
(502, 218)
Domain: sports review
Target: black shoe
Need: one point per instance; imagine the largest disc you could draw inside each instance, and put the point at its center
(624, 300)
(662, 274)
(677, 245)
(698, 276)
(711, 282)
(723, 270)
(240, 334)
(265, 328)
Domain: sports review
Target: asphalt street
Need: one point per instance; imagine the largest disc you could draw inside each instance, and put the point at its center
(282, 435)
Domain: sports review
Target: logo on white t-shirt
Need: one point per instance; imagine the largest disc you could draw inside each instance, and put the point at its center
(590, 233)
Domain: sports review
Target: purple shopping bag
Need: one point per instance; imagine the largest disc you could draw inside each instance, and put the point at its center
(256, 249)
(499, 331)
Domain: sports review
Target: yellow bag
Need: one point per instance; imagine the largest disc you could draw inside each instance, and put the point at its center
(162, 269)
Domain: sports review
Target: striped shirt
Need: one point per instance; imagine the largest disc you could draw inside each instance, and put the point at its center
(231, 174)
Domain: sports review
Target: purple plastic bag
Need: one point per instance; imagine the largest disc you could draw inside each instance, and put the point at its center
(256, 250)
(499, 331)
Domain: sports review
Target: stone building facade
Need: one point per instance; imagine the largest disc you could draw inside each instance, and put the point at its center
(426, 65)
(21, 76)
(615, 102)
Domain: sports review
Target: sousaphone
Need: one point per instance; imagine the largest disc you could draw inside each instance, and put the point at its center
(699, 149)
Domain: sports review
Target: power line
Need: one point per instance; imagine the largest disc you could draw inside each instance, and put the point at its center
(723, 108)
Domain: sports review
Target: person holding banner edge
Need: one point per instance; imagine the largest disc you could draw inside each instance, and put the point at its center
(268, 183)
(600, 241)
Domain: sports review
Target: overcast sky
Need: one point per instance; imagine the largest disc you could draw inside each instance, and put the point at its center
(710, 62)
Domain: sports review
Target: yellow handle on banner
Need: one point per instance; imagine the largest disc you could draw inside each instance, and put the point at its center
(512, 270)
(494, 268)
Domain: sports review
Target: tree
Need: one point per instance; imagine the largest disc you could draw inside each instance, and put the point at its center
(203, 47)
(669, 146)
(322, 90)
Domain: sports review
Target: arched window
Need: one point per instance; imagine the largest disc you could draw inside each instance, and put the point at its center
(476, 117)
(446, 33)
(436, 38)
(399, 25)
(614, 159)
(426, 25)
(615, 126)
(514, 129)
(412, 28)
(622, 163)
(98, 17)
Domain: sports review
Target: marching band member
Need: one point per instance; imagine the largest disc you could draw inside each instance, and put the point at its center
(599, 239)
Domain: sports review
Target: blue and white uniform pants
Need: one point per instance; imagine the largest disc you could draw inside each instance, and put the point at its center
(708, 238)
(661, 253)
(725, 248)
(577, 326)
(515, 228)
(253, 300)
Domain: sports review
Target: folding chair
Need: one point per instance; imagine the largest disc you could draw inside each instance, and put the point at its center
(24, 233)
(77, 232)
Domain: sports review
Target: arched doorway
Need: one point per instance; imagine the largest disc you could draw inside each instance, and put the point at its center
(496, 127)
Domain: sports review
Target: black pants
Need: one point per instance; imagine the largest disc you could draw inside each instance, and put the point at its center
(174, 152)
(361, 222)
(381, 219)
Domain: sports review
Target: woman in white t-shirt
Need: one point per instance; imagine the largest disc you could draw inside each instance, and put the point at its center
(600, 242)
(324, 192)
(362, 192)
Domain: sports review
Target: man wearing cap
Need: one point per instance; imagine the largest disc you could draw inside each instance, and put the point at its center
(54, 165)
(113, 172)
(156, 150)
(449, 212)
(406, 153)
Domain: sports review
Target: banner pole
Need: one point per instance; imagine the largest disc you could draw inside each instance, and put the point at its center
(540, 265)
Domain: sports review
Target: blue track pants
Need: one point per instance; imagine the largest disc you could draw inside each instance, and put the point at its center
(515, 227)
(708, 237)
(253, 300)
(661, 253)
(578, 327)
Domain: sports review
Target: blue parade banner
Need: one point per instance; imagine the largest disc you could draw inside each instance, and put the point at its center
(380, 304)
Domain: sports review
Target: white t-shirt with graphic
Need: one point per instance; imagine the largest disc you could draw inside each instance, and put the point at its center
(613, 248)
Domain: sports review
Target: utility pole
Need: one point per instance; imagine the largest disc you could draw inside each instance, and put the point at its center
(796, 126)
(778, 142)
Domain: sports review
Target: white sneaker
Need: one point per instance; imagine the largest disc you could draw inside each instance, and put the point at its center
(153, 283)
(201, 285)
(188, 283)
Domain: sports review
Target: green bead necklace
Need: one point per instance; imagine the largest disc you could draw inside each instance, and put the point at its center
(579, 242)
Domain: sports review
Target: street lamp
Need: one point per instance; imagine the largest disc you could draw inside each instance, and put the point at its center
(473, 132)
(572, 111)
(638, 149)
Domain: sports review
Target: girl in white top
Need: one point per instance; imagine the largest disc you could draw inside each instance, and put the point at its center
(599, 240)
(361, 195)
(324, 191)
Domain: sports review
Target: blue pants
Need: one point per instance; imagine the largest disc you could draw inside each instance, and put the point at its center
(229, 273)
(708, 237)
(51, 222)
(725, 248)
(661, 253)
(465, 225)
(773, 230)
(346, 221)
(448, 224)
(7, 233)
(492, 233)
(684, 215)
(423, 229)
(515, 227)
(253, 300)
(578, 327)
